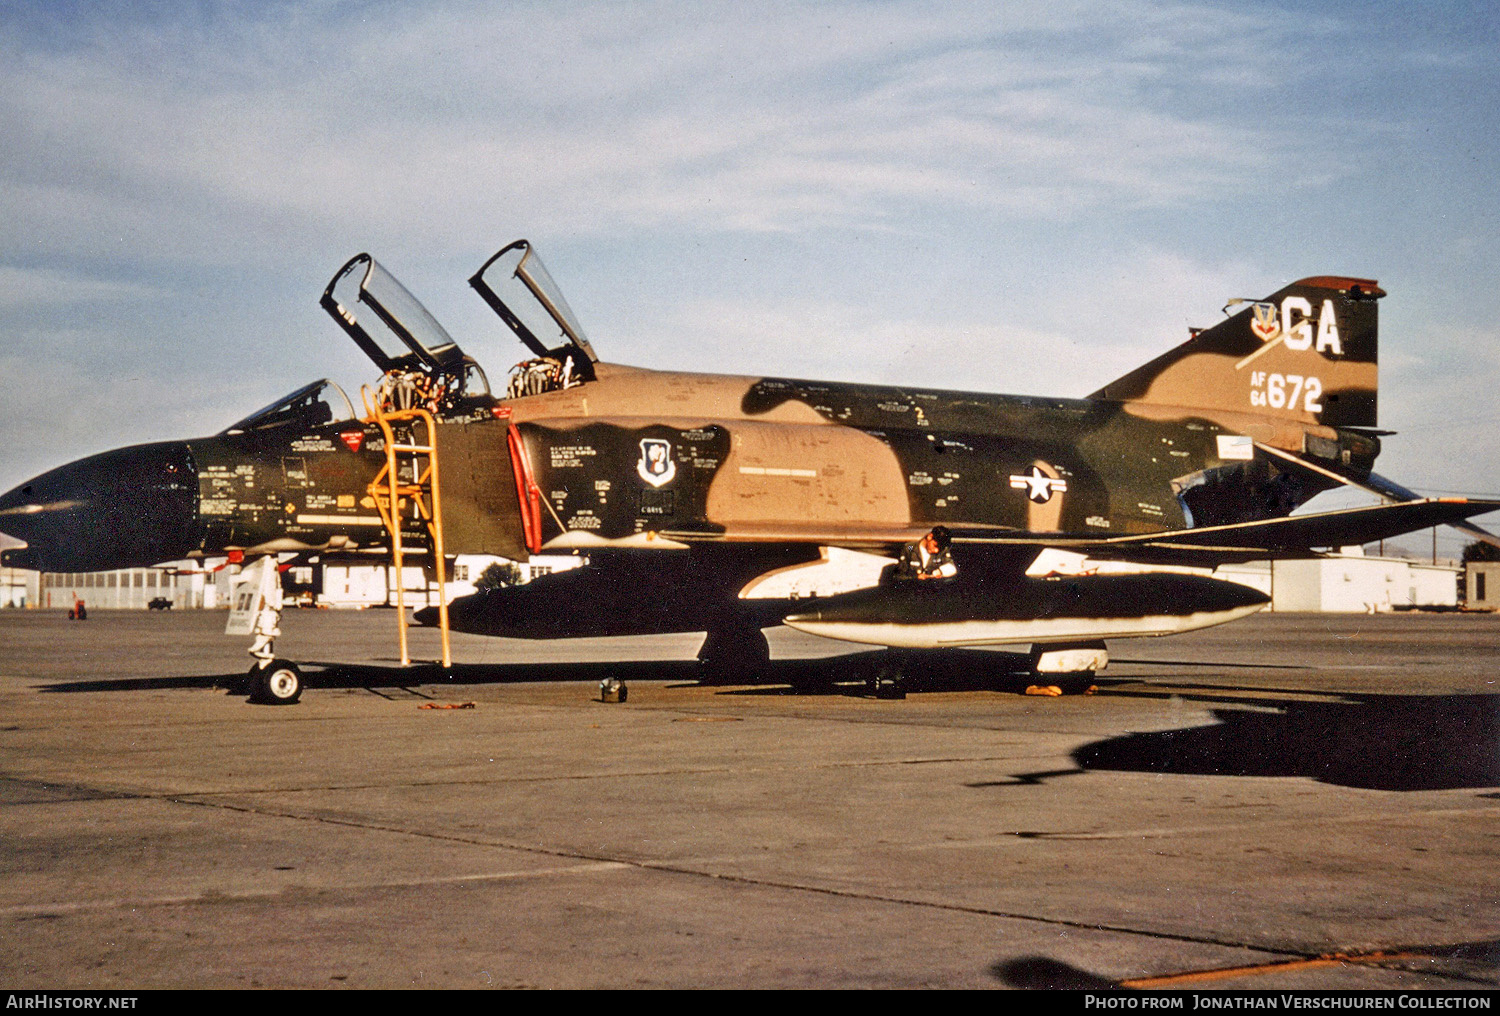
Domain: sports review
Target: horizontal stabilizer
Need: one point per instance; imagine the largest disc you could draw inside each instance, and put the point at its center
(1377, 485)
(1290, 536)
(1391, 489)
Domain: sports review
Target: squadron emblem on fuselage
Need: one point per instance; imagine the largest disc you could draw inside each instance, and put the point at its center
(656, 466)
(1266, 322)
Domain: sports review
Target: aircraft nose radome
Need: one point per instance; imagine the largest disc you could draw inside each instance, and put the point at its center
(14, 502)
(18, 509)
(125, 508)
(13, 499)
(11, 542)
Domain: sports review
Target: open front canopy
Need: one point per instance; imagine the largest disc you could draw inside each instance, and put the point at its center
(387, 322)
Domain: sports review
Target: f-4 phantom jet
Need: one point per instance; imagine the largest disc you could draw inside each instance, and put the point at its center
(727, 505)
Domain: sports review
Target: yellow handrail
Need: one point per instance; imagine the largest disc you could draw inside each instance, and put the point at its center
(388, 493)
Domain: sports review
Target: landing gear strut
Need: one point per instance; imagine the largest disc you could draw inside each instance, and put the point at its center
(733, 656)
(257, 612)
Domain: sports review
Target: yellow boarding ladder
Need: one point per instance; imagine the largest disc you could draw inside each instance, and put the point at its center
(389, 494)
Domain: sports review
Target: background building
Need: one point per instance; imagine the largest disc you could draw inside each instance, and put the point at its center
(1482, 585)
(1353, 583)
(185, 584)
(192, 585)
(368, 584)
(19, 587)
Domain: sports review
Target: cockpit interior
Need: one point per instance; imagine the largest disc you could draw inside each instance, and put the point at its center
(422, 364)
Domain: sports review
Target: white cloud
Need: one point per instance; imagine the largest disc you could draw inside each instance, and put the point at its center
(595, 118)
(30, 287)
(1067, 339)
(840, 341)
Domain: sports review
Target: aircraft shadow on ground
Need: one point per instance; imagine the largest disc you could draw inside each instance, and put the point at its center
(143, 683)
(920, 671)
(1370, 742)
(376, 676)
(1214, 664)
(955, 670)
(1043, 972)
(1373, 742)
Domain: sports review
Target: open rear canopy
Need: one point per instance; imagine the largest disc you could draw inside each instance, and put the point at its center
(516, 285)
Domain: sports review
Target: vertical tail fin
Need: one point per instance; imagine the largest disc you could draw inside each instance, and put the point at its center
(1305, 353)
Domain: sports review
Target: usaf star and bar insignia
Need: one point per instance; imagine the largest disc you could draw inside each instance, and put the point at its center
(1038, 485)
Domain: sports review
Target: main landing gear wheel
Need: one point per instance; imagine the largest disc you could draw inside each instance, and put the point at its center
(733, 656)
(277, 683)
(1066, 669)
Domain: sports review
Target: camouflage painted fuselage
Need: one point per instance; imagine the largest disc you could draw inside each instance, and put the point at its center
(745, 459)
(644, 459)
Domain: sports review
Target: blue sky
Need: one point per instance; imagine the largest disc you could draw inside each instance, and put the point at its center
(1028, 199)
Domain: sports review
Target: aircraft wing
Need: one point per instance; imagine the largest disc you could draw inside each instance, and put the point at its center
(992, 602)
(1290, 536)
(889, 537)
